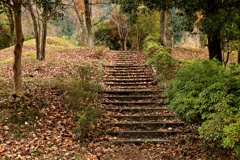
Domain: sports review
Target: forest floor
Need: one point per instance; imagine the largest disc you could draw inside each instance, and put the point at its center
(40, 126)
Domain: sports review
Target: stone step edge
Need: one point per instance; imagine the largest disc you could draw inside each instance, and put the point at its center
(143, 141)
(133, 91)
(147, 123)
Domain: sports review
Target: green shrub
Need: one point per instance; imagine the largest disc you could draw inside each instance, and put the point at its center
(84, 88)
(87, 122)
(83, 94)
(162, 62)
(207, 94)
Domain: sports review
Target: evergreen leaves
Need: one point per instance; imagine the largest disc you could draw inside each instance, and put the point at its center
(206, 94)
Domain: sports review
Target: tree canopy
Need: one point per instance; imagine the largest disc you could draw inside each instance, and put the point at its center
(212, 16)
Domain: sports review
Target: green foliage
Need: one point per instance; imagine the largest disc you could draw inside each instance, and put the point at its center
(143, 25)
(164, 65)
(179, 21)
(83, 93)
(87, 122)
(108, 36)
(5, 37)
(207, 94)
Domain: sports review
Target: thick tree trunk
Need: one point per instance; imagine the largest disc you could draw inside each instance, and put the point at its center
(166, 30)
(36, 33)
(17, 70)
(88, 22)
(44, 39)
(214, 47)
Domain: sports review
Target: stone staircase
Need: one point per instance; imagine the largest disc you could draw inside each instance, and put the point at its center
(136, 111)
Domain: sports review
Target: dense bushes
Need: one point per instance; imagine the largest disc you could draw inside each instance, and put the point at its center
(162, 62)
(208, 95)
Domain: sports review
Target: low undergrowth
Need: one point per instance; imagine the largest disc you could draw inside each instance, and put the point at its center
(207, 95)
(83, 94)
(163, 64)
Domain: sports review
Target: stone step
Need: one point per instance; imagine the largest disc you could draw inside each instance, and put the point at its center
(146, 125)
(128, 76)
(139, 87)
(131, 96)
(125, 67)
(146, 117)
(128, 103)
(140, 83)
(128, 80)
(124, 75)
(136, 109)
(143, 91)
(144, 133)
(143, 140)
(128, 70)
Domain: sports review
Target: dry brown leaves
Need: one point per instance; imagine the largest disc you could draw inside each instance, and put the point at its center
(51, 137)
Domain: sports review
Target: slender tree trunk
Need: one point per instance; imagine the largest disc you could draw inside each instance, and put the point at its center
(9, 14)
(162, 28)
(44, 38)
(36, 33)
(169, 30)
(88, 22)
(17, 70)
(238, 57)
(83, 28)
(214, 47)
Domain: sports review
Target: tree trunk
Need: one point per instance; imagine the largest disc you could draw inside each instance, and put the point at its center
(88, 22)
(17, 70)
(214, 47)
(166, 30)
(9, 14)
(36, 33)
(162, 28)
(169, 30)
(83, 28)
(238, 57)
(44, 39)
(122, 43)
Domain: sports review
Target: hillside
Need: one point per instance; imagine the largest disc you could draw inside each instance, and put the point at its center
(41, 125)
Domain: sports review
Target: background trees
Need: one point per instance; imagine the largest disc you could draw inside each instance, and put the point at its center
(41, 12)
(215, 16)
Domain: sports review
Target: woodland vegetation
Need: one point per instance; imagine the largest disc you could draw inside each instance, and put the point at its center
(50, 74)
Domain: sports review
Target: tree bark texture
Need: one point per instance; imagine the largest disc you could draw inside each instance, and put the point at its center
(238, 57)
(123, 29)
(169, 30)
(82, 27)
(88, 22)
(9, 14)
(17, 70)
(36, 32)
(162, 28)
(44, 39)
(214, 47)
(166, 30)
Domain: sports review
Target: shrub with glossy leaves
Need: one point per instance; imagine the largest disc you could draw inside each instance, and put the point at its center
(162, 62)
(207, 94)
